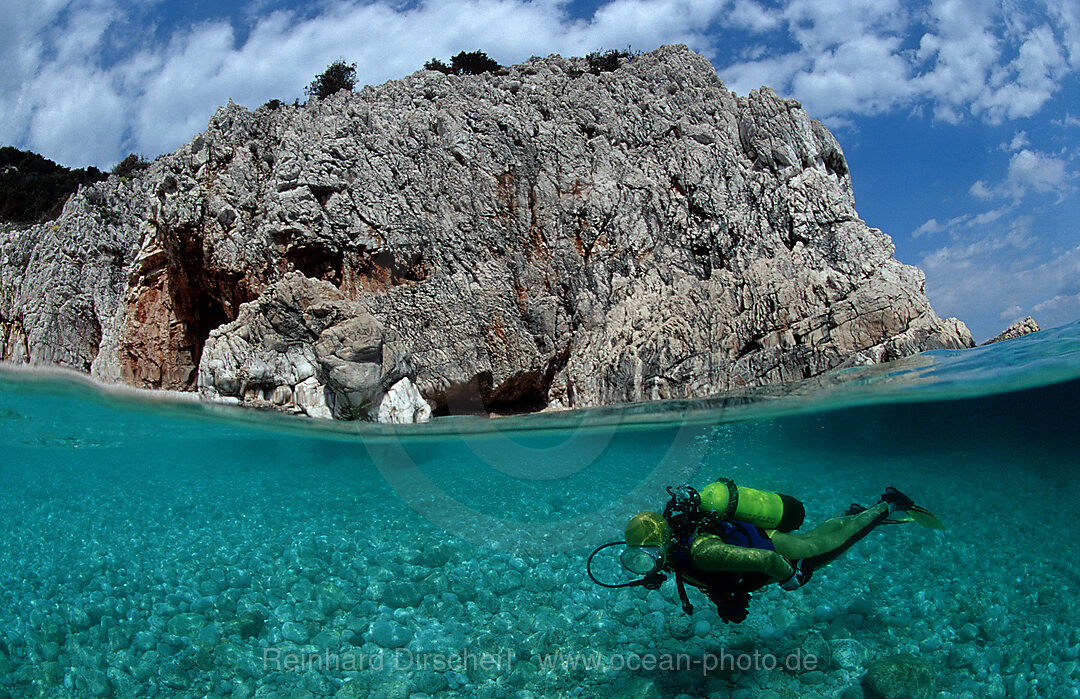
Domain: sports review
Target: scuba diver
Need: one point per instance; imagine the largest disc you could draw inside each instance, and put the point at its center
(729, 541)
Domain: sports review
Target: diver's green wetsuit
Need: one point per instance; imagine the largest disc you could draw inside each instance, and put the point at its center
(709, 552)
(698, 540)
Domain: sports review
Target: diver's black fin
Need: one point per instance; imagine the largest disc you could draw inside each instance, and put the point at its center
(902, 503)
(924, 517)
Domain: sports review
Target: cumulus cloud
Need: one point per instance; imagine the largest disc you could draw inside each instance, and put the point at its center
(39, 43)
(83, 122)
(1020, 140)
(1029, 172)
(1032, 171)
(746, 14)
(848, 60)
(998, 279)
(155, 97)
(1062, 306)
(958, 58)
(961, 58)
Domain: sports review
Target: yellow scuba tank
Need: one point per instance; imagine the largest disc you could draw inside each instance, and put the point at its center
(766, 510)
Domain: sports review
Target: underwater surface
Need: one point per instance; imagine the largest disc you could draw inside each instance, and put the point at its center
(163, 548)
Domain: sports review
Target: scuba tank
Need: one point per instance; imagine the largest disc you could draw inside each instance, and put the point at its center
(766, 510)
(686, 512)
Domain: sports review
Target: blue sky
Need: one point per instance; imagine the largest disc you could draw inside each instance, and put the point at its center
(960, 118)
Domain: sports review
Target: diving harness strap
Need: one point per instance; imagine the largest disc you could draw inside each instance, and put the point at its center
(686, 606)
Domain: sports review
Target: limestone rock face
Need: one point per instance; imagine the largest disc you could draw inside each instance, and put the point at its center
(303, 347)
(403, 404)
(541, 237)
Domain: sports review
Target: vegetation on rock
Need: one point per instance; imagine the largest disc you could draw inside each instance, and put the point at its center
(465, 63)
(607, 61)
(338, 76)
(34, 189)
(130, 166)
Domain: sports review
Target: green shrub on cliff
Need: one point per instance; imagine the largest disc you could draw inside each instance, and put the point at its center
(338, 76)
(608, 61)
(130, 166)
(465, 63)
(33, 188)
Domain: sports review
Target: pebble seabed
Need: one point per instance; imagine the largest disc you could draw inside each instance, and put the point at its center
(256, 565)
(317, 595)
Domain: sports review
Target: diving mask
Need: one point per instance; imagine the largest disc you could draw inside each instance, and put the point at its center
(642, 559)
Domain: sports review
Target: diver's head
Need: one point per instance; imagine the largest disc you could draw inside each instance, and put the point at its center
(647, 539)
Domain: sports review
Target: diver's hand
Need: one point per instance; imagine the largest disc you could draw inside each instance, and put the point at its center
(799, 577)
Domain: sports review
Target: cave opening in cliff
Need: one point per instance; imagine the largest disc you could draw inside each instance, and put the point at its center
(317, 262)
(209, 314)
(202, 298)
(202, 302)
(525, 392)
(464, 397)
(521, 394)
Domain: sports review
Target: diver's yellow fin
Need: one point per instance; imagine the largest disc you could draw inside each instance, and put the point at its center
(924, 517)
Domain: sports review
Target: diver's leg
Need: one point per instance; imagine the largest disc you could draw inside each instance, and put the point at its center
(709, 552)
(831, 539)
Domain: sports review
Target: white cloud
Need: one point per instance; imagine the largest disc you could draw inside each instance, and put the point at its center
(967, 61)
(54, 97)
(849, 60)
(957, 58)
(992, 60)
(863, 76)
(82, 123)
(1029, 172)
(981, 190)
(928, 228)
(1067, 17)
(986, 217)
(1021, 87)
(1020, 140)
(819, 26)
(21, 44)
(1032, 171)
(964, 221)
(1062, 307)
(157, 97)
(994, 281)
(747, 14)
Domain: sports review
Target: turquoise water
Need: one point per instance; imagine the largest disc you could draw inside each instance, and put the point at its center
(156, 548)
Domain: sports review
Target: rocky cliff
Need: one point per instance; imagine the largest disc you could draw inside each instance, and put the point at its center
(1017, 329)
(541, 237)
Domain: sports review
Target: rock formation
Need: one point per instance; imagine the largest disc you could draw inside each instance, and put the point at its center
(1017, 329)
(541, 237)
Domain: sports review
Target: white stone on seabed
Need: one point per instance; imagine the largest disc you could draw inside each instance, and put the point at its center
(847, 653)
(291, 631)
